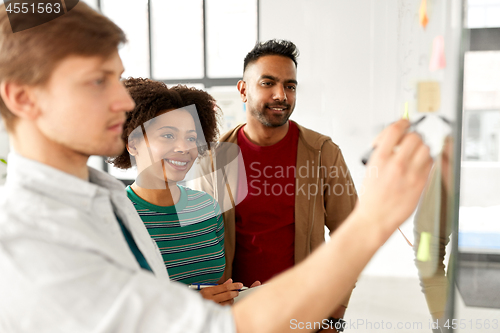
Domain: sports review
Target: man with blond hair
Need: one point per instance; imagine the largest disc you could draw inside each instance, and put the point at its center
(70, 240)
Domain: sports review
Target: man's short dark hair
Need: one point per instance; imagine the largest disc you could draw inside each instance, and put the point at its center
(280, 47)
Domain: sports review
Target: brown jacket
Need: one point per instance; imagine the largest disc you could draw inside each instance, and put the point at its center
(323, 198)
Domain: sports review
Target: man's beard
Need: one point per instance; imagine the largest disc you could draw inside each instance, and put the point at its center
(266, 118)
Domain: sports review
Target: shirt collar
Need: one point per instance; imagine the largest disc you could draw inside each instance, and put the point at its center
(57, 184)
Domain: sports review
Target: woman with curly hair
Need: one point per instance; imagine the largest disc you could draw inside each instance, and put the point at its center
(164, 134)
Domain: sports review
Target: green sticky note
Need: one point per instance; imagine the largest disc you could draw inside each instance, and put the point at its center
(424, 247)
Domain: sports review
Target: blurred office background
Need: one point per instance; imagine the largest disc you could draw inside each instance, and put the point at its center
(349, 88)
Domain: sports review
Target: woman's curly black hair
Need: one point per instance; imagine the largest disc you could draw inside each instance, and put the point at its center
(153, 97)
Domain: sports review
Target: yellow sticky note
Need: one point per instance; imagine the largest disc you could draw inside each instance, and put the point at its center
(406, 115)
(424, 247)
(428, 96)
(422, 14)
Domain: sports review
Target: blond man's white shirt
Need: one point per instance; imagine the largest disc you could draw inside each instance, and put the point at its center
(66, 266)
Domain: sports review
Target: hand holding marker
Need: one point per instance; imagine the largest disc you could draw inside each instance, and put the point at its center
(200, 286)
(366, 157)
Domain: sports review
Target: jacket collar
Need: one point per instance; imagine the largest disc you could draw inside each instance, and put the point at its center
(312, 140)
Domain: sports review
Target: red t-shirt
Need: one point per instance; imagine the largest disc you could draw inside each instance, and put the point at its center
(265, 219)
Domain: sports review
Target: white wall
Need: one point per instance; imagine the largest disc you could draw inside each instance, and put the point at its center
(341, 92)
(348, 83)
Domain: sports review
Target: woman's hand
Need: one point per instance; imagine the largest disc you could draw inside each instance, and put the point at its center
(223, 294)
(256, 284)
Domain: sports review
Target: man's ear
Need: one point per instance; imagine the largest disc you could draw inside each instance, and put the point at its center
(19, 99)
(242, 88)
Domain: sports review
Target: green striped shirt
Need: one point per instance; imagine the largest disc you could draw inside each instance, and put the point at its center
(190, 235)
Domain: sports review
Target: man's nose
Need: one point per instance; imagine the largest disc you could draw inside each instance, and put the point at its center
(280, 93)
(123, 101)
